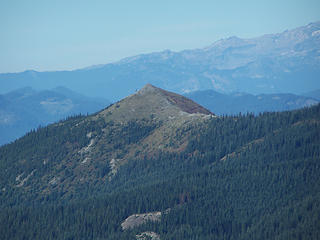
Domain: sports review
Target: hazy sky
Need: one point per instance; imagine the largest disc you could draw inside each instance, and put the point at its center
(63, 35)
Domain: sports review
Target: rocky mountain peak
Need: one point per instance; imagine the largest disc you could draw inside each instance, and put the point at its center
(183, 103)
(148, 88)
(153, 102)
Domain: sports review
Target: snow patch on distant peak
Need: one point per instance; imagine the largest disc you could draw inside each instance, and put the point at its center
(315, 33)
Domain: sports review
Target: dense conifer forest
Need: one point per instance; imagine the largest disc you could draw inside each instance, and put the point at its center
(239, 177)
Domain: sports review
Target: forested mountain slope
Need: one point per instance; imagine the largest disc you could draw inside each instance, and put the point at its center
(86, 152)
(241, 177)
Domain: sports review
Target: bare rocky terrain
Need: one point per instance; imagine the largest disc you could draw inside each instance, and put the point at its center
(136, 220)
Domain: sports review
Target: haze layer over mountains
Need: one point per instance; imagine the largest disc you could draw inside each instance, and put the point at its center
(286, 62)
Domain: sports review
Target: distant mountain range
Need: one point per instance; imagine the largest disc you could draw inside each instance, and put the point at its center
(25, 109)
(273, 63)
(314, 94)
(234, 103)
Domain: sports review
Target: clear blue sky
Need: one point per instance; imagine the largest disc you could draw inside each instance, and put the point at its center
(67, 34)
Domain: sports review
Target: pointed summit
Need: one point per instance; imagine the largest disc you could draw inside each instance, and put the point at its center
(183, 103)
(150, 102)
(148, 88)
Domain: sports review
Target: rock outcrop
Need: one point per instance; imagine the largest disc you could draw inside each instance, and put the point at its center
(136, 220)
